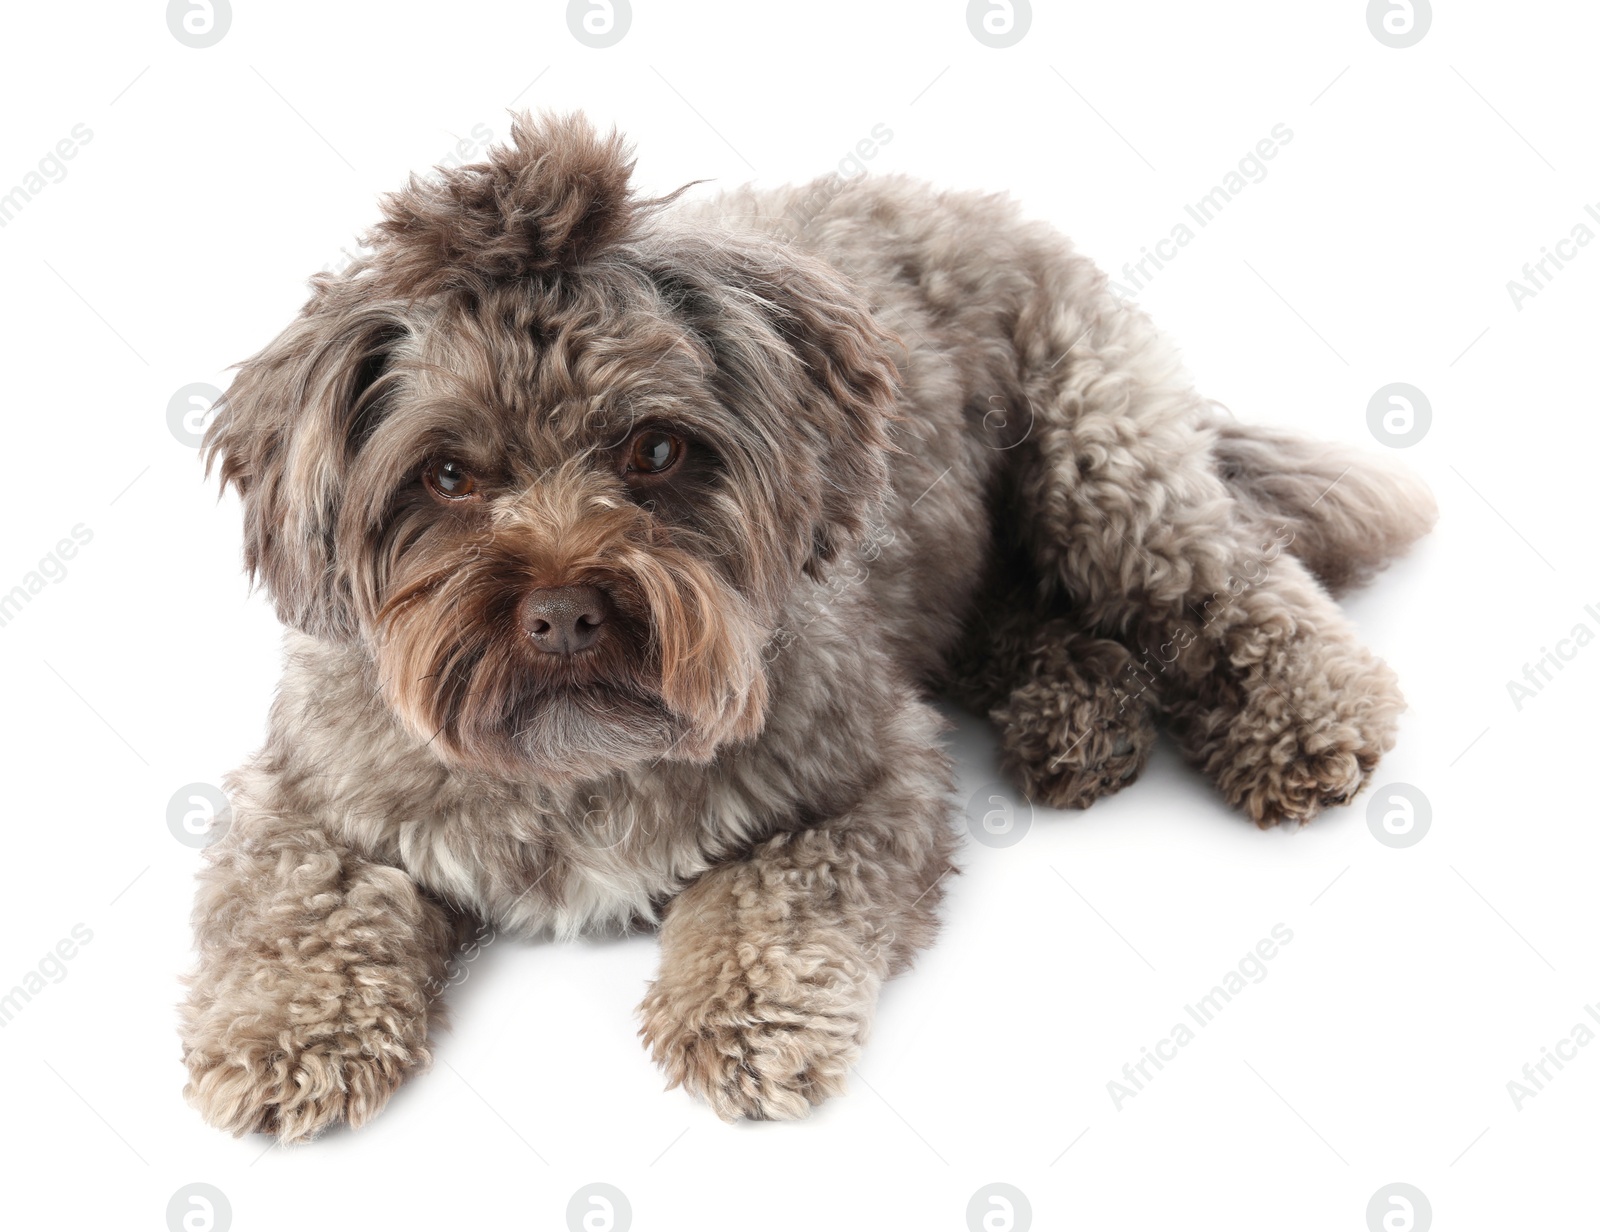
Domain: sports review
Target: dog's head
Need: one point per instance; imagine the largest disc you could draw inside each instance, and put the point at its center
(557, 458)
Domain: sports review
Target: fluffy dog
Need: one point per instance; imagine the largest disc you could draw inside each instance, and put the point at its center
(621, 543)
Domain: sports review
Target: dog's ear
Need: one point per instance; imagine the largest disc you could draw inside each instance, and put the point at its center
(284, 436)
(787, 329)
(848, 360)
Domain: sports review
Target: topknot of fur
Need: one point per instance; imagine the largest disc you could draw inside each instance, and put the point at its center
(551, 199)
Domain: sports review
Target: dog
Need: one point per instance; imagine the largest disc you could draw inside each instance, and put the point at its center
(622, 544)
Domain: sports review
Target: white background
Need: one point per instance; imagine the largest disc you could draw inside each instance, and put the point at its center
(1419, 981)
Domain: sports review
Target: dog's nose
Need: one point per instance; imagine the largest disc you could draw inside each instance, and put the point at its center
(563, 620)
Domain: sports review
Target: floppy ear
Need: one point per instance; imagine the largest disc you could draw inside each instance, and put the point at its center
(787, 328)
(284, 436)
(848, 358)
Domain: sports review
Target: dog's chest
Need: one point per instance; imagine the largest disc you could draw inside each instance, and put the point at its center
(604, 861)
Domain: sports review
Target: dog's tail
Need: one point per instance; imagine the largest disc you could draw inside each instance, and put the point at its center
(1350, 513)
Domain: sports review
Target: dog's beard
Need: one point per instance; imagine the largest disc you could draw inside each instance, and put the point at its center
(676, 671)
(583, 733)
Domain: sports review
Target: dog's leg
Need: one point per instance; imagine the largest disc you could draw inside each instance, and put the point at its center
(1124, 501)
(1278, 701)
(318, 972)
(1070, 730)
(771, 964)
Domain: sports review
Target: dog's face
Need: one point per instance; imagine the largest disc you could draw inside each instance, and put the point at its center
(557, 460)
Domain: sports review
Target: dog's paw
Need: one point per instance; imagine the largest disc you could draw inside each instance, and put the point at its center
(296, 1088)
(749, 1053)
(1066, 751)
(1297, 747)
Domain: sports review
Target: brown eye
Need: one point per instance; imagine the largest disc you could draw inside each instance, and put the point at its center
(449, 480)
(653, 453)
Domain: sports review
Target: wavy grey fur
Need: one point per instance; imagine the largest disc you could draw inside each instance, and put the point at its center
(947, 457)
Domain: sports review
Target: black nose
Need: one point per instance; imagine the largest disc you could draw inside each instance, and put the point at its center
(563, 620)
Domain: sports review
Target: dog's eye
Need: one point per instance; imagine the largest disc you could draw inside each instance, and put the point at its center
(653, 453)
(449, 480)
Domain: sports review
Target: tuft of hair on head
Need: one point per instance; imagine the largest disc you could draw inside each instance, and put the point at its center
(555, 196)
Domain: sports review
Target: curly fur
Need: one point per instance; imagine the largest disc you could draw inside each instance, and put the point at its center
(926, 449)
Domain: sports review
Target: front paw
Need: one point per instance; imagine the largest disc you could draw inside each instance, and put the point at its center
(296, 1083)
(766, 1050)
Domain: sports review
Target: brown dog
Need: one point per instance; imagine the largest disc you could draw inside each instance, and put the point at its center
(621, 544)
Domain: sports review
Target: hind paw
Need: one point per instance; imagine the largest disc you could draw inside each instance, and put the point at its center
(1067, 752)
(1299, 746)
